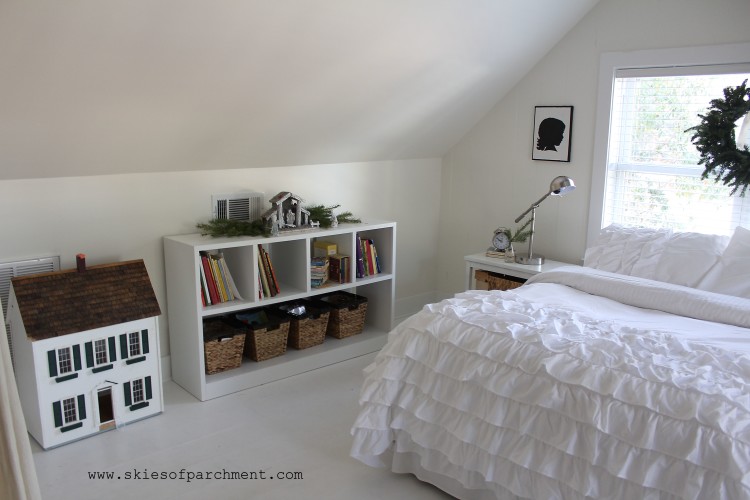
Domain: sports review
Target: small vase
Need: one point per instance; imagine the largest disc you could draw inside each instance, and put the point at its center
(510, 254)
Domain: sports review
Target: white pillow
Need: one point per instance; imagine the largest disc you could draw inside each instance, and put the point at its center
(687, 257)
(731, 274)
(627, 250)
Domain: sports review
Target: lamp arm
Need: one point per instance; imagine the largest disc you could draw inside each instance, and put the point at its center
(532, 207)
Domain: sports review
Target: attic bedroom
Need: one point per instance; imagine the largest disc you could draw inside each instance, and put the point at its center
(121, 121)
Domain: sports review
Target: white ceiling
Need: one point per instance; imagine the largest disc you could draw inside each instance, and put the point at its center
(101, 87)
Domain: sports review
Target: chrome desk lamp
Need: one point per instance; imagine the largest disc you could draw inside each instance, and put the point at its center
(559, 186)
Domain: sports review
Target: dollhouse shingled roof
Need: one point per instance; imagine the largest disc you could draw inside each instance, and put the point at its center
(72, 301)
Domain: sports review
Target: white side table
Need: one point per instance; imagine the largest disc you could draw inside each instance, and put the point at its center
(479, 261)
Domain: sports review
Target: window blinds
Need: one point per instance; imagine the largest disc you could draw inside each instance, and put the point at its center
(653, 175)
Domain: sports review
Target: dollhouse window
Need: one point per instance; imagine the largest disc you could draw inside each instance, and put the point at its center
(100, 352)
(69, 413)
(64, 363)
(138, 391)
(134, 344)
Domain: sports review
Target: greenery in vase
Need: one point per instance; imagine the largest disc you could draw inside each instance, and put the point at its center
(521, 234)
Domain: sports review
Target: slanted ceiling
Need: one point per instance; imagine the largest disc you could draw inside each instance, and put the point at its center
(116, 86)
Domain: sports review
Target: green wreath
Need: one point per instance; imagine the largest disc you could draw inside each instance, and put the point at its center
(714, 138)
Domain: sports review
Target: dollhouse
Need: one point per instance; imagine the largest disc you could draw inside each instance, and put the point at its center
(86, 346)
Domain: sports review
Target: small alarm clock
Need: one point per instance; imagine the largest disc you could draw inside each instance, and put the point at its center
(500, 240)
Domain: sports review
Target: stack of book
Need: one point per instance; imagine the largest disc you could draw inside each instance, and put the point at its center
(368, 263)
(268, 285)
(217, 285)
(318, 271)
(339, 269)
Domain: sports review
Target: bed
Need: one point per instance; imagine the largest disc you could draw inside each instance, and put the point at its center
(587, 382)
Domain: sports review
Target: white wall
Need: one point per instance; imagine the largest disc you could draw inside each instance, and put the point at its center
(122, 217)
(489, 178)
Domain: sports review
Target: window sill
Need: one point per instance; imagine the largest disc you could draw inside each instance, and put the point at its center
(135, 360)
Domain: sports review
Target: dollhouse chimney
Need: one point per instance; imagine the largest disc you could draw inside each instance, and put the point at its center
(81, 262)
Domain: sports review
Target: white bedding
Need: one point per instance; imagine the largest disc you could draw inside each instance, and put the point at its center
(548, 391)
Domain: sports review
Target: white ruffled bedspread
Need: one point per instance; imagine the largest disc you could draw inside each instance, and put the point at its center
(548, 392)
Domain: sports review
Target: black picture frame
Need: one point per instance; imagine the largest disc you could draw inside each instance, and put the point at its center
(553, 127)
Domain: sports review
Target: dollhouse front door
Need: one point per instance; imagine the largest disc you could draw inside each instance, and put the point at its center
(106, 410)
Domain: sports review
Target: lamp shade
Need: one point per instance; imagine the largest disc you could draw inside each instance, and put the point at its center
(561, 185)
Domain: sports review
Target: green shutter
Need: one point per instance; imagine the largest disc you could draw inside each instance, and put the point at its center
(126, 388)
(89, 348)
(112, 350)
(123, 346)
(144, 337)
(149, 395)
(77, 357)
(81, 407)
(52, 362)
(57, 412)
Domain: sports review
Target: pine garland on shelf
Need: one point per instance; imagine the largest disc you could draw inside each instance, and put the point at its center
(229, 227)
(325, 216)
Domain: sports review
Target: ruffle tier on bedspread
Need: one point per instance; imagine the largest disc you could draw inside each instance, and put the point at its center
(504, 394)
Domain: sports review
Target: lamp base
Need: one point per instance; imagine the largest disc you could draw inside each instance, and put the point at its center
(536, 260)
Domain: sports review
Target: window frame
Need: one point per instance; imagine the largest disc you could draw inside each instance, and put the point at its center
(609, 64)
(134, 344)
(65, 364)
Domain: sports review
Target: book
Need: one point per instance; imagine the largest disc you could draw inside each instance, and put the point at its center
(273, 283)
(338, 268)
(263, 276)
(210, 280)
(318, 271)
(360, 260)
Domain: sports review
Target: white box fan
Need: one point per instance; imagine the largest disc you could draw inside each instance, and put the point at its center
(247, 205)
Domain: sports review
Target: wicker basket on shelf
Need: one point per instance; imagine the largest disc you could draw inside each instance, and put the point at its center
(347, 314)
(222, 346)
(494, 281)
(266, 334)
(308, 323)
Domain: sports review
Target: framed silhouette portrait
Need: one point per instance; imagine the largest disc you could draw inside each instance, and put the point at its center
(552, 129)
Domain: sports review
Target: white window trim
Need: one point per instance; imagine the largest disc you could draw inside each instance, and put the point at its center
(106, 352)
(74, 409)
(134, 344)
(63, 363)
(609, 64)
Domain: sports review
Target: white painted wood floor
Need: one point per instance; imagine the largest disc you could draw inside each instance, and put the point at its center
(297, 425)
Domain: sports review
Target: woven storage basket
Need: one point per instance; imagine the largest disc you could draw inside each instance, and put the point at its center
(347, 314)
(266, 334)
(494, 281)
(306, 329)
(222, 345)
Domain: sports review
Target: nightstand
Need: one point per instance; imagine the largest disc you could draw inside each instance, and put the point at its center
(479, 261)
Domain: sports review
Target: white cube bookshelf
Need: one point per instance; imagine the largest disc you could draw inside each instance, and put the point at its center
(290, 254)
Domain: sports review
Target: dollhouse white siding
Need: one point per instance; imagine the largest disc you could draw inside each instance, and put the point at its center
(40, 390)
(85, 394)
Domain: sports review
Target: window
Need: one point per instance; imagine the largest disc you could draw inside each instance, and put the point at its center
(646, 170)
(653, 175)
(134, 344)
(64, 363)
(100, 352)
(138, 396)
(70, 414)
(137, 393)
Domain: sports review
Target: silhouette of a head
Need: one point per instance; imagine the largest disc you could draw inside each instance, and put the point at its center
(550, 134)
